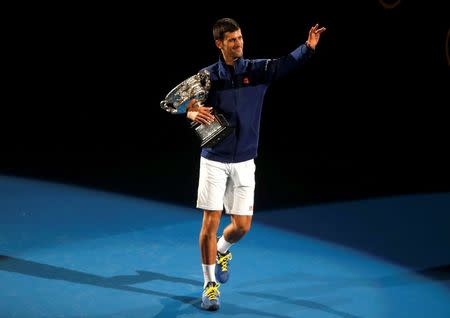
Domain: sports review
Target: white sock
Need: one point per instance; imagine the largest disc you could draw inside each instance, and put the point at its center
(222, 245)
(209, 274)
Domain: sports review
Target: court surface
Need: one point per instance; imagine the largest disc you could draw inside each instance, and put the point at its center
(68, 251)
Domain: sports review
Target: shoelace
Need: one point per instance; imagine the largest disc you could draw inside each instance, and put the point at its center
(223, 261)
(212, 292)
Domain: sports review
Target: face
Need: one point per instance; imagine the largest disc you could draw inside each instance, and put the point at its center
(232, 46)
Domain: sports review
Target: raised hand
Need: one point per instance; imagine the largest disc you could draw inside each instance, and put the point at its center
(314, 36)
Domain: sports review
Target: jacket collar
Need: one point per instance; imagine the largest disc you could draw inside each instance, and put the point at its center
(239, 66)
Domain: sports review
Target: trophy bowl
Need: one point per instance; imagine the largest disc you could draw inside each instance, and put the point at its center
(197, 86)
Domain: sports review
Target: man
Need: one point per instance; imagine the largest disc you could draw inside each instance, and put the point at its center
(227, 170)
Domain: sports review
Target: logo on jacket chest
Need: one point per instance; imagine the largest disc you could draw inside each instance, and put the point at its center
(243, 79)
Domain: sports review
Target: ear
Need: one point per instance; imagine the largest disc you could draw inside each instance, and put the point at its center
(219, 44)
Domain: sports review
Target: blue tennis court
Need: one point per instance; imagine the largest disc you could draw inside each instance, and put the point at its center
(68, 251)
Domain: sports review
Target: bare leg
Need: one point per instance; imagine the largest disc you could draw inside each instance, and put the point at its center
(239, 226)
(207, 239)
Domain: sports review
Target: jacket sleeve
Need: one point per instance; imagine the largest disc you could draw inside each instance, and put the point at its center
(275, 69)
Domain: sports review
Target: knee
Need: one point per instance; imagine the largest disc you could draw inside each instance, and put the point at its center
(242, 229)
(206, 234)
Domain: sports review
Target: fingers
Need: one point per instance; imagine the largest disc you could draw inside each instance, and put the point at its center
(201, 119)
(204, 115)
(192, 102)
(315, 29)
(206, 111)
(320, 30)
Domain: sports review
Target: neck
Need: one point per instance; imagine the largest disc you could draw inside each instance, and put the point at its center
(229, 60)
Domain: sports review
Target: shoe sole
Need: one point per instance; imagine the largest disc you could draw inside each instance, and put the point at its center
(211, 308)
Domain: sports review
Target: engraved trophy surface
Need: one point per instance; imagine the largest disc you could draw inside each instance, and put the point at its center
(197, 86)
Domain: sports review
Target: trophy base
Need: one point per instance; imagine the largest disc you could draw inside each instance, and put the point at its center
(210, 135)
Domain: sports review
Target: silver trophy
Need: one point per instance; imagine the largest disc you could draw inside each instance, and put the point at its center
(197, 86)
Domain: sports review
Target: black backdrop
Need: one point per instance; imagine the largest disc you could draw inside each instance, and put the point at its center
(367, 117)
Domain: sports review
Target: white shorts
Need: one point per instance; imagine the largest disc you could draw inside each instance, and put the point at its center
(226, 185)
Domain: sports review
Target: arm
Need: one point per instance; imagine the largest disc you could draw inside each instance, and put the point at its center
(278, 68)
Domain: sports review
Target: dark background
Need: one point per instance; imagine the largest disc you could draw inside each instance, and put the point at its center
(366, 117)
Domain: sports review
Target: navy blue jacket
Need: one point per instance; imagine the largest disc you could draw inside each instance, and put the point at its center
(238, 93)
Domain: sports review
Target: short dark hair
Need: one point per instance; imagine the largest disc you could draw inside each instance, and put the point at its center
(223, 26)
